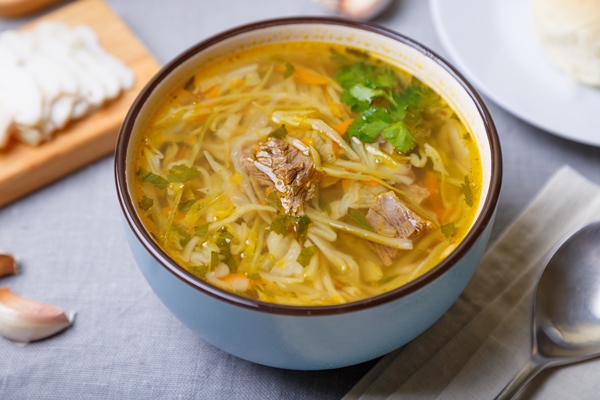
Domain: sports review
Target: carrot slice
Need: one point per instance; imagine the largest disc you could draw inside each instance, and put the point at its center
(335, 147)
(308, 141)
(232, 277)
(346, 184)
(308, 77)
(334, 107)
(343, 127)
(370, 182)
(435, 198)
(198, 117)
(212, 92)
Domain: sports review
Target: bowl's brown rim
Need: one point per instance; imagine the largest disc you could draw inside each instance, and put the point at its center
(130, 213)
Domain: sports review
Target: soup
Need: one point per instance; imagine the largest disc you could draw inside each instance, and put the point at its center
(306, 174)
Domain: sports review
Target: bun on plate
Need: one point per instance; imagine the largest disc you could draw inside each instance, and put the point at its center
(569, 31)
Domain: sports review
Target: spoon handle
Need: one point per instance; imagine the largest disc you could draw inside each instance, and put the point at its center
(529, 370)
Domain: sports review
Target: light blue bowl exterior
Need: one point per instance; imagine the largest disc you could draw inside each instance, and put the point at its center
(308, 342)
(325, 338)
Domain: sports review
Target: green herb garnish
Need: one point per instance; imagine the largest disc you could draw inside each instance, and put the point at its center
(338, 58)
(198, 270)
(281, 224)
(399, 137)
(364, 93)
(449, 230)
(274, 201)
(306, 254)
(374, 92)
(146, 203)
(183, 174)
(284, 224)
(190, 85)
(224, 239)
(357, 53)
(214, 260)
(186, 205)
(387, 279)
(184, 237)
(359, 219)
(254, 276)
(201, 230)
(152, 178)
(301, 227)
(289, 70)
(279, 133)
(264, 291)
(369, 125)
(325, 206)
(223, 242)
(467, 191)
(367, 75)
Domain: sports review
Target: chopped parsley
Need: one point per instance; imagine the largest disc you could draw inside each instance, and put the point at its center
(289, 70)
(223, 242)
(301, 227)
(306, 254)
(214, 260)
(399, 136)
(387, 279)
(364, 82)
(201, 230)
(357, 53)
(190, 85)
(370, 124)
(359, 219)
(274, 201)
(284, 224)
(338, 58)
(183, 174)
(185, 206)
(152, 178)
(449, 230)
(467, 191)
(281, 224)
(198, 270)
(279, 133)
(146, 203)
(325, 206)
(254, 276)
(183, 236)
(384, 107)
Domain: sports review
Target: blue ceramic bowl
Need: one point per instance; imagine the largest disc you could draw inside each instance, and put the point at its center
(324, 337)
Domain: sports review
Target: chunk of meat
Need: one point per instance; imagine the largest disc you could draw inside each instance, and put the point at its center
(417, 193)
(247, 158)
(390, 217)
(277, 164)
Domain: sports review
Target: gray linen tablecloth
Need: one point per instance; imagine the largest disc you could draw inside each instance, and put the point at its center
(71, 246)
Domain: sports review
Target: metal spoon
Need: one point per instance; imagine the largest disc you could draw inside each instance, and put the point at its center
(566, 311)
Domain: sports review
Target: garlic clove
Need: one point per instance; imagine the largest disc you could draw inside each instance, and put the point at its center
(24, 320)
(8, 265)
(362, 10)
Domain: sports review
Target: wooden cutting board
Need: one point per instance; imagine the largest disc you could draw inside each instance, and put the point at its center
(24, 168)
(19, 8)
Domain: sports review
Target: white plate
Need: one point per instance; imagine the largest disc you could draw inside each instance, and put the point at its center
(493, 43)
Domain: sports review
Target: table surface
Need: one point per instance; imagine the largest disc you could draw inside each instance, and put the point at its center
(71, 247)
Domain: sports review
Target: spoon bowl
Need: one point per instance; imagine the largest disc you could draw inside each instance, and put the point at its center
(566, 310)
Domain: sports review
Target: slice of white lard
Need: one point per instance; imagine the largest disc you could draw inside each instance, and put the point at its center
(51, 74)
